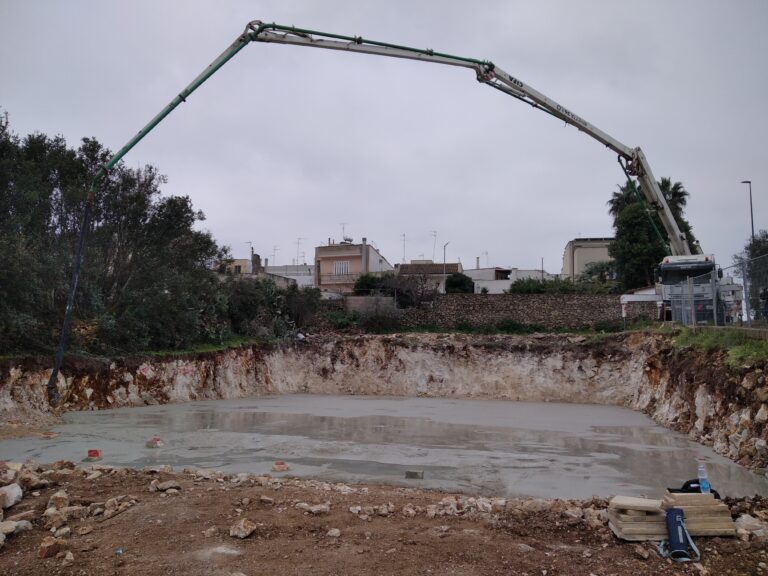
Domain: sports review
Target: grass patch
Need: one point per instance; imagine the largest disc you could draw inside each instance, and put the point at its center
(741, 349)
(235, 342)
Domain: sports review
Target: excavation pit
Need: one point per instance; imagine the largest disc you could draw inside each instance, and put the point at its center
(492, 447)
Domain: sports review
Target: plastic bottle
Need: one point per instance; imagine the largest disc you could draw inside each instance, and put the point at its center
(704, 485)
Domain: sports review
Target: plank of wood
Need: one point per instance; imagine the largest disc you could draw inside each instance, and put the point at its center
(631, 537)
(632, 503)
(681, 499)
(714, 511)
(622, 518)
(620, 533)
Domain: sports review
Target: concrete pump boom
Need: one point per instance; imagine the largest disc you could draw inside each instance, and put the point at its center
(632, 159)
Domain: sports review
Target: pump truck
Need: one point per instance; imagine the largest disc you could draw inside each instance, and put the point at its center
(632, 160)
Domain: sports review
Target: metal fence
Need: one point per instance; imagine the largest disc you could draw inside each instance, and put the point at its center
(734, 295)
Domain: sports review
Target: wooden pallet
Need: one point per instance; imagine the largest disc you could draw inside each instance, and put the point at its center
(644, 519)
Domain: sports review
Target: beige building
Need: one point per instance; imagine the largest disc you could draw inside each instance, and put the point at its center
(434, 272)
(580, 252)
(338, 266)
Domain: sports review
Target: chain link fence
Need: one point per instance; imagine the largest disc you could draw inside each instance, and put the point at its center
(735, 295)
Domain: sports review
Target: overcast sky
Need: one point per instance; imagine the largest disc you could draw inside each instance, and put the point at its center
(286, 142)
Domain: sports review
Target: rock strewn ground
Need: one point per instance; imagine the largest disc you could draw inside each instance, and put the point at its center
(100, 520)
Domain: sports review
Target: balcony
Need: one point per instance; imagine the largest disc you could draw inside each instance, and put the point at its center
(326, 279)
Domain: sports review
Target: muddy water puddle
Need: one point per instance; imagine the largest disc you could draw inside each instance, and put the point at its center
(490, 447)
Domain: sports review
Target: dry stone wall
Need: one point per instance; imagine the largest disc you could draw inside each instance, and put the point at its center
(550, 311)
(690, 391)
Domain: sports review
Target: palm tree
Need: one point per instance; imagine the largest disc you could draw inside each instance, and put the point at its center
(675, 194)
(622, 199)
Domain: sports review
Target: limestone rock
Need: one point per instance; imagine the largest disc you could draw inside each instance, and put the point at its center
(59, 500)
(242, 528)
(69, 559)
(28, 480)
(749, 523)
(640, 552)
(63, 532)
(209, 532)
(8, 527)
(762, 414)
(22, 526)
(266, 500)
(333, 533)
(10, 495)
(169, 484)
(49, 547)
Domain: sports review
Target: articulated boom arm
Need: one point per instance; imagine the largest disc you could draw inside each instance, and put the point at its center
(632, 159)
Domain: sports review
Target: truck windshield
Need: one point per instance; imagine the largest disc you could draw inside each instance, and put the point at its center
(674, 274)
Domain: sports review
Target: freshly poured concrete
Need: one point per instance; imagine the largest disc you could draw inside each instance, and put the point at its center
(489, 447)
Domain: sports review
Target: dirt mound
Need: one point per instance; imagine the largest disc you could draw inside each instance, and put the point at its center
(118, 521)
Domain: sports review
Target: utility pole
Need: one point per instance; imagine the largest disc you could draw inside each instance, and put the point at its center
(751, 214)
(434, 244)
(444, 276)
(274, 254)
(403, 237)
(298, 248)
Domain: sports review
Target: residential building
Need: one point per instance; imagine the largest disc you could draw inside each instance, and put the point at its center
(435, 272)
(338, 266)
(303, 275)
(239, 266)
(580, 252)
(497, 280)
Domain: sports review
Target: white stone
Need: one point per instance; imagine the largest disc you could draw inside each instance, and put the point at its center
(749, 523)
(8, 527)
(333, 533)
(59, 500)
(242, 528)
(762, 414)
(10, 495)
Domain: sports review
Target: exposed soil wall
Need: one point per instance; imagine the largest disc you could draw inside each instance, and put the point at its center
(690, 391)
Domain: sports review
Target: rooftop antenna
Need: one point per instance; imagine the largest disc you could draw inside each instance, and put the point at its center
(434, 243)
(251, 245)
(403, 236)
(344, 232)
(275, 249)
(298, 248)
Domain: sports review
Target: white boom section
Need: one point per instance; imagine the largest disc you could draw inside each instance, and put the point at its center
(635, 162)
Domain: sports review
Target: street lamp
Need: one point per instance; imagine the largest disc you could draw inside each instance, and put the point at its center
(445, 283)
(751, 215)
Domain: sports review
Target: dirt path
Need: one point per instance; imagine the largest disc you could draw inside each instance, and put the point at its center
(394, 532)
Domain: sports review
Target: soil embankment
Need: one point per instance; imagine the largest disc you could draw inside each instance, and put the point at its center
(689, 391)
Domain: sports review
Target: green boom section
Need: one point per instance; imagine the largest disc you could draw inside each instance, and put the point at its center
(252, 32)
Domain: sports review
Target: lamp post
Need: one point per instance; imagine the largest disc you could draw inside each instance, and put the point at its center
(751, 214)
(445, 283)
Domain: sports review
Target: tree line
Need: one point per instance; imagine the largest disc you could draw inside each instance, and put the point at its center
(148, 280)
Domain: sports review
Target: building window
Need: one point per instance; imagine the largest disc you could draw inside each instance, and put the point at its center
(238, 269)
(341, 268)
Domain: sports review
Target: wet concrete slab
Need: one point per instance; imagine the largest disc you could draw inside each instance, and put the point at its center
(490, 447)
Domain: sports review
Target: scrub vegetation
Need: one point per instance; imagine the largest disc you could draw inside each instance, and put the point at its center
(149, 279)
(742, 350)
